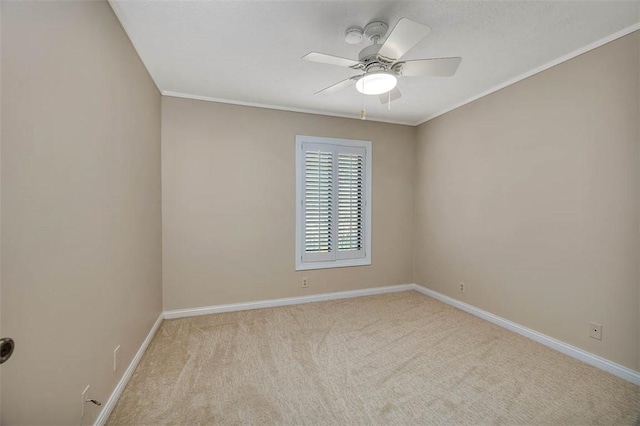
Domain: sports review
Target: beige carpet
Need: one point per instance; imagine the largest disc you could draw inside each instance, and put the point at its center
(400, 358)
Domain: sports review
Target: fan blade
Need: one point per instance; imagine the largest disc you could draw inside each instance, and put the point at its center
(330, 59)
(338, 86)
(393, 95)
(442, 67)
(404, 36)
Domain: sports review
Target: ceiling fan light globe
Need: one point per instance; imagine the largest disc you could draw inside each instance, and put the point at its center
(376, 83)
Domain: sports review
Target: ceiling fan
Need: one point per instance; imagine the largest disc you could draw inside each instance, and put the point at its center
(380, 64)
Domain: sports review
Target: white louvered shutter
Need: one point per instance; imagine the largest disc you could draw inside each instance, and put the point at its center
(333, 212)
(350, 202)
(318, 203)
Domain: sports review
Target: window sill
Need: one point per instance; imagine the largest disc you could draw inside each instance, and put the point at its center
(332, 264)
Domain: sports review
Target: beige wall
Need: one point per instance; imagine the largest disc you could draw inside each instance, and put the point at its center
(228, 210)
(81, 223)
(530, 196)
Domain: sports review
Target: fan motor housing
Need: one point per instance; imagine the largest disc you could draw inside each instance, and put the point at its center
(370, 58)
(369, 52)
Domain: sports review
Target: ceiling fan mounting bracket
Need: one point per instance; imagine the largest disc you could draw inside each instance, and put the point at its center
(375, 30)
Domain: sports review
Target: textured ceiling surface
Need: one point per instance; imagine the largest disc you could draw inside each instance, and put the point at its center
(249, 52)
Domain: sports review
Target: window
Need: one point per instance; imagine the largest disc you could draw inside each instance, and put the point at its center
(333, 203)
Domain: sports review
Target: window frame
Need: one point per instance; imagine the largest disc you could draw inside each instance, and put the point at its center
(301, 265)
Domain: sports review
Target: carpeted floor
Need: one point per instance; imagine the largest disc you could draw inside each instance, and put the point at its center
(400, 358)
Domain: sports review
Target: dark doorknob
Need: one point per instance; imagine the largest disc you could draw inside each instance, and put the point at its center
(6, 348)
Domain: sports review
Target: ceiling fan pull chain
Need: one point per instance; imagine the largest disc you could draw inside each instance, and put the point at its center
(389, 103)
(363, 111)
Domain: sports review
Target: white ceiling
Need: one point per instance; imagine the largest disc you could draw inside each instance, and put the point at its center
(248, 52)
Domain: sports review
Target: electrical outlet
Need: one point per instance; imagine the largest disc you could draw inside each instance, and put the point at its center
(595, 330)
(305, 282)
(116, 358)
(461, 287)
(85, 396)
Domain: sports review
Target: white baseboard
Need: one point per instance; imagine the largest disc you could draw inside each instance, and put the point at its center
(567, 349)
(115, 395)
(180, 313)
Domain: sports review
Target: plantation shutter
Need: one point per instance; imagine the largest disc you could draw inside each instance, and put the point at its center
(351, 202)
(333, 202)
(318, 203)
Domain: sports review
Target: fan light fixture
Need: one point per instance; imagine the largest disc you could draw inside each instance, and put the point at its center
(376, 83)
